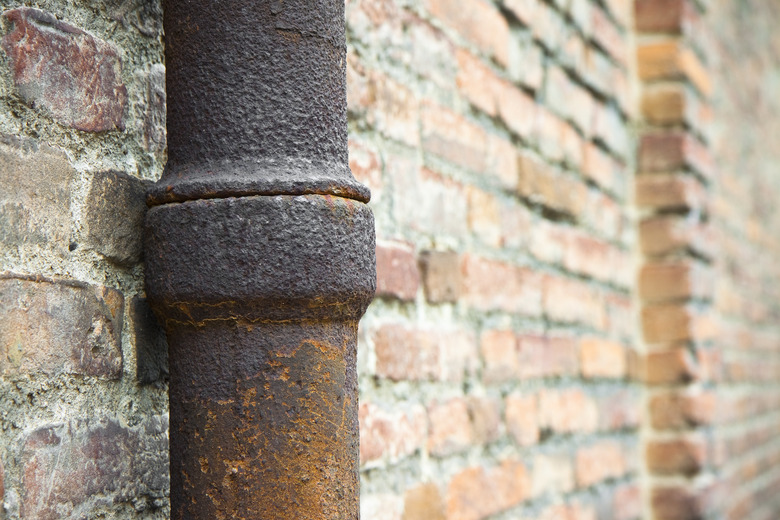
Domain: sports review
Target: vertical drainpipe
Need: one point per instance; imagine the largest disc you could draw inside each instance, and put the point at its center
(260, 261)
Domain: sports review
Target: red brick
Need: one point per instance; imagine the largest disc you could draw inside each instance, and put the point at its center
(669, 281)
(669, 16)
(71, 74)
(627, 502)
(599, 462)
(670, 366)
(477, 21)
(676, 503)
(608, 36)
(545, 356)
(666, 234)
(477, 82)
(664, 104)
(394, 109)
(390, 434)
(366, 166)
(423, 502)
(552, 474)
(485, 415)
(477, 492)
(521, 417)
(441, 276)
(568, 512)
(567, 411)
(65, 466)
(453, 138)
(670, 192)
(682, 456)
(450, 428)
(602, 169)
(396, 271)
(676, 410)
(493, 285)
(55, 327)
(602, 358)
(545, 185)
(572, 301)
(675, 322)
(618, 410)
(669, 60)
(516, 109)
(663, 152)
(484, 217)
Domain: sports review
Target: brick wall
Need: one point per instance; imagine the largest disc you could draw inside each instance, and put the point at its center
(83, 424)
(745, 59)
(497, 362)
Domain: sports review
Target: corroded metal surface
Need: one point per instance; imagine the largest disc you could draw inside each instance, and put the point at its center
(257, 100)
(259, 262)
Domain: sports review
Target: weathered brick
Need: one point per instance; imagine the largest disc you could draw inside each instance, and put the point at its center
(484, 217)
(664, 234)
(151, 355)
(366, 166)
(406, 353)
(627, 502)
(35, 200)
(394, 109)
(381, 506)
(485, 415)
(423, 502)
(685, 455)
(477, 492)
(453, 138)
(669, 60)
(57, 327)
(669, 281)
(83, 467)
(670, 366)
(441, 276)
(396, 271)
(390, 434)
(676, 503)
(608, 36)
(66, 71)
(598, 462)
(618, 410)
(669, 16)
(664, 104)
(153, 116)
(477, 21)
(489, 284)
(670, 192)
(114, 216)
(450, 428)
(572, 301)
(552, 474)
(545, 185)
(602, 358)
(677, 410)
(521, 417)
(661, 152)
(673, 322)
(567, 411)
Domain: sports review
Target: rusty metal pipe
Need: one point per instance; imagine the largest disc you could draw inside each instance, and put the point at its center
(260, 261)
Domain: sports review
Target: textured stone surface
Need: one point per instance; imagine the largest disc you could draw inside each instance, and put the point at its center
(114, 217)
(59, 327)
(83, 467)
(35, 197)
(68, 72)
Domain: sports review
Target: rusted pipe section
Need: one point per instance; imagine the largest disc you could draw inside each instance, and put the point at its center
(260, 261)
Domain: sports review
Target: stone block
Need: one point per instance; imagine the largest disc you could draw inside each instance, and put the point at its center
(83, 467)
(114, 217)
(50, 327)
(36, 185)
(71, 74)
